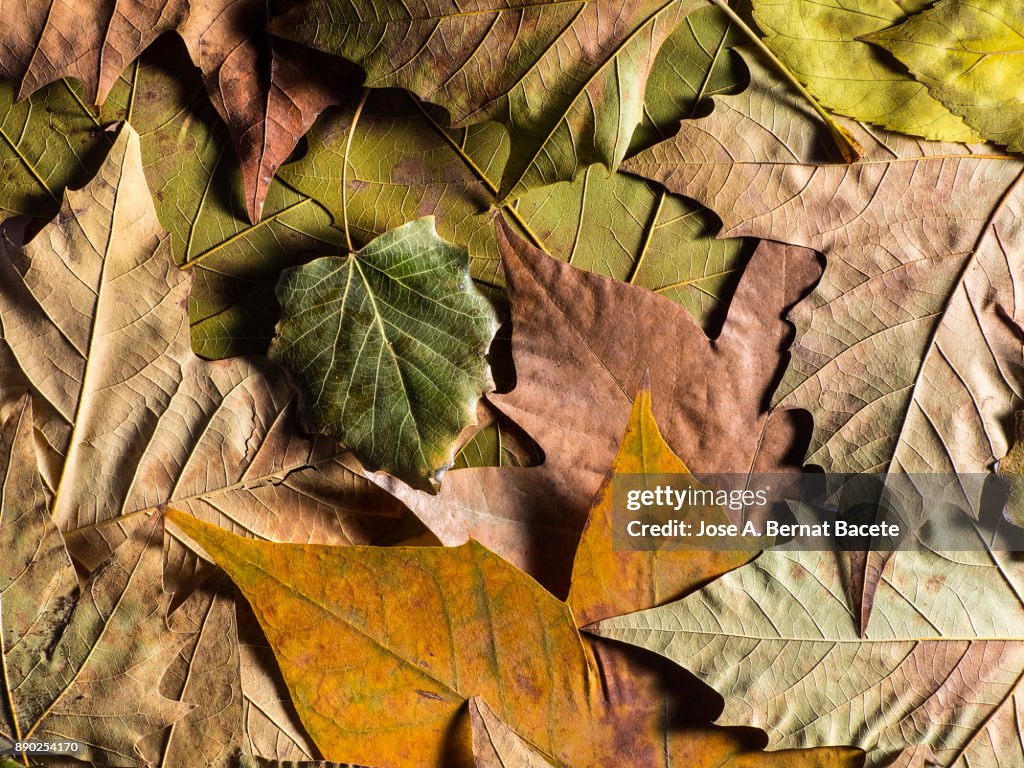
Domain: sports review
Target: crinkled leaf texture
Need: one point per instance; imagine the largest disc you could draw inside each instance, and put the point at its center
(566, 78)
(935, 680)
(128, 418)
(80, 665)
(970, 54)
(388, 345)
(377, 641)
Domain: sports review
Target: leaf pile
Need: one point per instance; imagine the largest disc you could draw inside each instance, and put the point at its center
(327, 325)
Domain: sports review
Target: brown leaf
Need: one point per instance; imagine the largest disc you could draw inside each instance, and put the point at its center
(578, 332)
(268, 91)
(94, 41)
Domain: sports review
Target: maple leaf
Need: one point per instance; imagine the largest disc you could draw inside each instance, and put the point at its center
(578, 332)
(823, 43)
(388, 345)
(566, 78)
(94, 325)
(908, 352)
(968, 55)
(934, 681)
(377, 640)
(83, 664)
(267, 91)
(41, 42)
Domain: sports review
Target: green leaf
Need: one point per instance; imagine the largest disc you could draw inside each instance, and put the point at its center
(48, 142)
(567, 78)
(820, 42)
(388, 345)
(970, 55)
(401, 165)
(693, 65)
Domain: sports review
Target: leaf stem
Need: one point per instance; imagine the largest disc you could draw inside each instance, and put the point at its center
(344, 167)
(848, 146)
(488, 184)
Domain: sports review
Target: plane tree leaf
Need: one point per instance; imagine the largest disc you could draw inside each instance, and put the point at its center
(566, 78)
(402, 164)
(78, 664)
(822, 43)
(93, 321)
(387, 345)
(41, 42)
(574, 331)
(268, 92)
(377, 640)
(935, 679)
(968, 54)
(906, 340)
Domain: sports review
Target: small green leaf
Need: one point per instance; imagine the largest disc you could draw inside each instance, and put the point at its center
(388, 345)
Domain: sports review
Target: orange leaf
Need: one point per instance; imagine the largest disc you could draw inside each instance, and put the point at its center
(606, 582)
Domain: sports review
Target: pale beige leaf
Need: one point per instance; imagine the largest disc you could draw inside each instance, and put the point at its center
(94, 316)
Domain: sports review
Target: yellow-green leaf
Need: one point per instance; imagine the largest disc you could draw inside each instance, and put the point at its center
(821, 43)
(970, 55)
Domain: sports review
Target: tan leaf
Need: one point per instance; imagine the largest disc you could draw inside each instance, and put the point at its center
(83, 664)
(128, 418)
(908, 353)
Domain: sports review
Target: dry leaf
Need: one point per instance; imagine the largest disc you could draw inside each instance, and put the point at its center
(267, 91)
(908, 353)
(578, 332)
(78, 664)
(934, 681)
(566, 78)
(128, 418)
(41, 42)
(374, 641)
